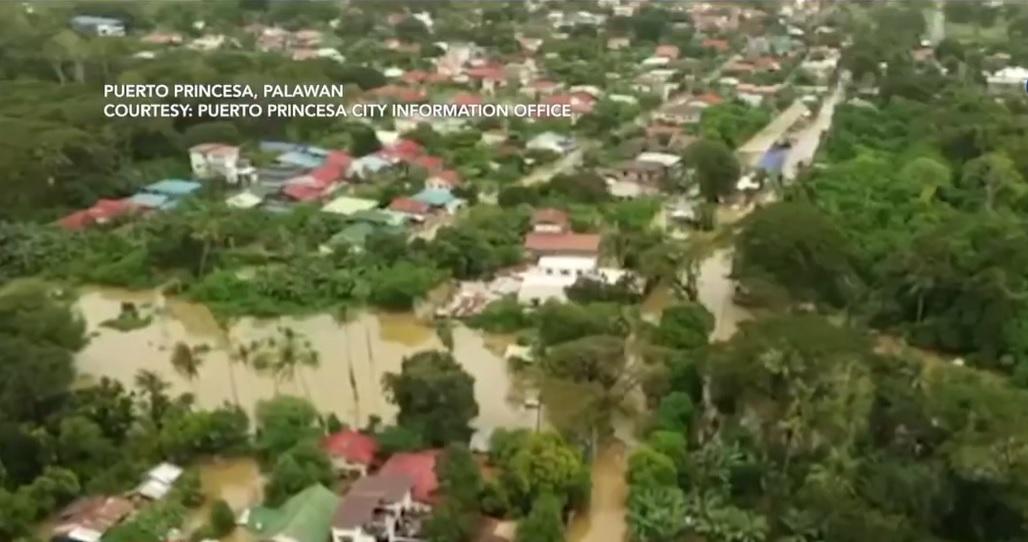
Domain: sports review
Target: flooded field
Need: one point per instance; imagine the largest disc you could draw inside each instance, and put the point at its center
(353, 357)
(605, 519)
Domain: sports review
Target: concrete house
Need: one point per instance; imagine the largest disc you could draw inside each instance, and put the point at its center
(86, 520)
(375, 509)
(351, 451)
(98, 26)
(217, 160)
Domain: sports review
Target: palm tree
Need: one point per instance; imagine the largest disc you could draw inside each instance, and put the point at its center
(284, 357)
(185, 361)
(154, 389)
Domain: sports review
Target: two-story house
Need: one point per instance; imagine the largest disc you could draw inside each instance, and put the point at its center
(217, 160)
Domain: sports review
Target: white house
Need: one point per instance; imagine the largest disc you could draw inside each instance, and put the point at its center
(159, 481)
(552, 142)
(667, 161)
(1011, 78)
(98, 26)
(553, 274)
(213, 160)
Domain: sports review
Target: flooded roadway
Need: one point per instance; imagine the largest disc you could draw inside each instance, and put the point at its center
(353, 358)
(605, 519)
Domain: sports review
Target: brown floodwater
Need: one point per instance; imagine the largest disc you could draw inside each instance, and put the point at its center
(354, 355)
(605, 519)
(236, 480)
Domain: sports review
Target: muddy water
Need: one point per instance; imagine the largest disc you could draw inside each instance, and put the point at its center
(716, 291)
(353, 357)
(238, 481)
(605, 519)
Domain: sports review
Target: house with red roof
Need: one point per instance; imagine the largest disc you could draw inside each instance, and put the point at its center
(446, 179)
(401, 150)
(562, 244)
(487, 77)
(550, 220)
(427, 162)
(709, 98)
(411, 209)
(721, 46)
(102, 212)
(669, 52)
(350, 451)
(420, 467)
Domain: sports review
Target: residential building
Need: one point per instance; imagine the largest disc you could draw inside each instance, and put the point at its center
(618, 43)
(439, 199)
(666, 51)
(686, 114)
(550, 221)
(414, 210)
(87, 519)
(164, 194)
(376, 508)
(346, 205)
(552, 142)
(447, 179)
(98, 26)
(305, 517)
(419, 467)
(102, 212)
(567, 243)
(218, 160)
(351, 451)
(159, 481)
(1009, 79)
(552, 275)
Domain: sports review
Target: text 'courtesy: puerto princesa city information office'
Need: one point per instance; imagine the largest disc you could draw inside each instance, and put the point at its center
(289, 101)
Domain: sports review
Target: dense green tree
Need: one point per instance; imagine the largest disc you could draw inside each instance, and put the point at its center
(717, 168)
(303, 465)
(435, 396)
(543, 523)
(656, 514)
(684, 326)
(283, 422)
(598, 358)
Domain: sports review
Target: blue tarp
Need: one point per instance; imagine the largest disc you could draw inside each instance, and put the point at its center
(302, 159)
(435, 197)
(279, 146)
(173, 187)
(150, 201)
(773, 160)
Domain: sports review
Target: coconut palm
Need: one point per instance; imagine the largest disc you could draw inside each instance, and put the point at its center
(186, 361)
(154, 389)
(284, 357)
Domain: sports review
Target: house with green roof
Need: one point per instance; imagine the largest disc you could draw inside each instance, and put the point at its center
(305, 517)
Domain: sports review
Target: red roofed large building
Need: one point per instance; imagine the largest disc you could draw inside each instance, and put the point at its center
(413, 209)
(429, 163)
(102, 212)
(562, 244)
(351, 450)
(419, 466)
(402, 150)
(719, 45)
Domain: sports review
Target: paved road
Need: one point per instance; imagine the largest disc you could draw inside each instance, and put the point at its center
(715, 287)
(808, 139)
(551, 170)
(753, 150)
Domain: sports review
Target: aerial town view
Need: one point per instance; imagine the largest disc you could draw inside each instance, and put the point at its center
(513, 271)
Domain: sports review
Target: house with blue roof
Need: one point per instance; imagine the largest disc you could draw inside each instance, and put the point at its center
(366, 166)
(279, 147)
(173, 188)
(164, 194)
(301, 159)
(439, 199)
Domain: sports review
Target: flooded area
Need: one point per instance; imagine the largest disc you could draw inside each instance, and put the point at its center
(605, 519)
(717, 293)
(238, 481)
(353, 357)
